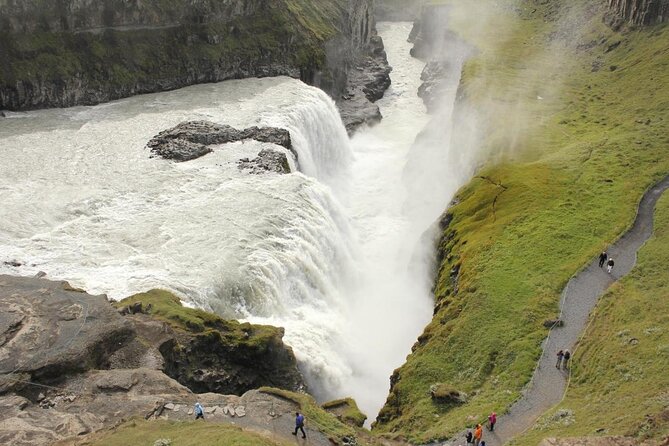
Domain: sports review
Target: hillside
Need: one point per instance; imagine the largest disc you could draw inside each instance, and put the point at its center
(570, 129)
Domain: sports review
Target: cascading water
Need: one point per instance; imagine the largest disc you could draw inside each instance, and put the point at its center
(324, 253)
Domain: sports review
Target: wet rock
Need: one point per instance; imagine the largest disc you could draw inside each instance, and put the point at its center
(13, 263)
(268, 160)
(190, 140)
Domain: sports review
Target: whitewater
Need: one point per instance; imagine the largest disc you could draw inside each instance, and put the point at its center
(337, 253)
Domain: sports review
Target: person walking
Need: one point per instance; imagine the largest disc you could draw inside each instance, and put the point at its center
(299, 424)
(469, 437)
(602, 258)
(560, 355)
(199, 411)
(565, 362)
(609, 265)
(478, 434)
(492, 419)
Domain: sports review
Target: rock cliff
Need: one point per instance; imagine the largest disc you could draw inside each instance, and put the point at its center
(73, 52)
(641, 12)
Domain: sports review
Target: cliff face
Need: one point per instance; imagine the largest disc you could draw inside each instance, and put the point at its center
(70, 52)
(641, 12)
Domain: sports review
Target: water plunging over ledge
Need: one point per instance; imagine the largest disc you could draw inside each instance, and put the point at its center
(329, 254)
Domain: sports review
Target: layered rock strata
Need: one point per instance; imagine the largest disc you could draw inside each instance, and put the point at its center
(641, 12)
(69, 52)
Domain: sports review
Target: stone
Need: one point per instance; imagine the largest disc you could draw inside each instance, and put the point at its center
(169, 406)
(442, 393)
(62, 332)
(192, 139)
(268, 160)
(240, 411)
(211, 409)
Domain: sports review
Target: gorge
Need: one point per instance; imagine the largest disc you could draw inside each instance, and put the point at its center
(510, 150)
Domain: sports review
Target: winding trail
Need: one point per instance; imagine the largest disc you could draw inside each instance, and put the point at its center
(579, 297)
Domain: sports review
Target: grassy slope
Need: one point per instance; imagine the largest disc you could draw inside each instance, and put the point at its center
(189, 433)
(573, 165)
(619, 385)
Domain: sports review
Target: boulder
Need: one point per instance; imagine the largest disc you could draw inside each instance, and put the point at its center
(442, 393)
(47, 330)
(190, 140)
(268, 160)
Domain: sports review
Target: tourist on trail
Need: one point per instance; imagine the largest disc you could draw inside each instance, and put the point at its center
(299, 424)
(492, 419)
(560, 355)
(602, 258)
(199, 411)
(478, 435)
(469, 437)
(567, 355)
(609, 265)
(482, 443)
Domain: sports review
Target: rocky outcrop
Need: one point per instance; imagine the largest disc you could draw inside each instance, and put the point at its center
(70, 52)
(640, 12)
(206, 353)
(192, 139)
(367, 82)
(48, 329)
(71, 363)
(268, 160)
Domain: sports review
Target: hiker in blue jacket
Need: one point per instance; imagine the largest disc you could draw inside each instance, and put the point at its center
(299, 424)
(199, 411)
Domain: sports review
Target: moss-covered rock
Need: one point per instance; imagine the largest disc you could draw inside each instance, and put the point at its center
(346, 409)
(209, 354)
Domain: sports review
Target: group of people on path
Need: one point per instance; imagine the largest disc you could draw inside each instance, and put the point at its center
(476, 437)
(604, 259)
(563, 357)
(299, 419)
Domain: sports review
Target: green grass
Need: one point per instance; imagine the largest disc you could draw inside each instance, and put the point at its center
(620, 382)
(181, 433)
(167, 307)
(316, 416)
(561, 179)
(347, 411)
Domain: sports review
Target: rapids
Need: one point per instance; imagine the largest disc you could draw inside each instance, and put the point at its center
(335, 253)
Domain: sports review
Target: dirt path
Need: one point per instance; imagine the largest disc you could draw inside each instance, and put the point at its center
(578, 299)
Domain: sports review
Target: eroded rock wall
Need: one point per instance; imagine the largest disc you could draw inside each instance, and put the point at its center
(641, 12)
(83, 52)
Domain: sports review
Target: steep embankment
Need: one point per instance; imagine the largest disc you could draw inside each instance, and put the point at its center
(571, 117)
(72, 52)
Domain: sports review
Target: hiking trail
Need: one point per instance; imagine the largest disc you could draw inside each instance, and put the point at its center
(548, 384)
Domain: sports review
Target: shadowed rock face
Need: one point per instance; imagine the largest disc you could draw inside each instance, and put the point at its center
(268, 160)
(641, 12)
(190, 140)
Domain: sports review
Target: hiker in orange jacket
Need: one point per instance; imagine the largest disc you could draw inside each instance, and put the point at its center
(478, 434)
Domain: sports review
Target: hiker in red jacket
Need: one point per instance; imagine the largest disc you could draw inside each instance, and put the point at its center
(492, 419)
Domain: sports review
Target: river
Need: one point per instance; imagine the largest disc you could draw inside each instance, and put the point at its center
(336, 253)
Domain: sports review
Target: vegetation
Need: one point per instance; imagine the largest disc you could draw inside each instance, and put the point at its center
(167, 307)
(180, 433)
(619, 383)
(285, 37)
(346, 409)
(573, 120)
(316, 416)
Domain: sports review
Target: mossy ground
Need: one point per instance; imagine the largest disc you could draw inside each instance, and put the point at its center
(619, 383)
(347, 410)
(186, 433)
(575, 121)
(167, 307)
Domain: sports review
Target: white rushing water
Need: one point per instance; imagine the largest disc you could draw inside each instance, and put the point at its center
(333, 254)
